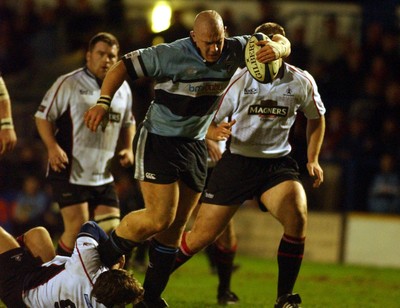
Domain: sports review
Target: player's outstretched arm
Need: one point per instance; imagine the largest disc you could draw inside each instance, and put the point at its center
(278, 47)
(113, 80)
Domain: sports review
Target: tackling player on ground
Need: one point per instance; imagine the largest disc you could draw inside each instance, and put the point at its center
(33, 276)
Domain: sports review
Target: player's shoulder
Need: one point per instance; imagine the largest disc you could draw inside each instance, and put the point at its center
(298, 73)
(71, 77)
(174, 48)
(242, 39)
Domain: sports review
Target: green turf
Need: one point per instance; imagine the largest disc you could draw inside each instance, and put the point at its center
(320, 285)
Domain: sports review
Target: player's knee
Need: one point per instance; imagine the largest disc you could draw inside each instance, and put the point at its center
(37, 232)
(107, 222)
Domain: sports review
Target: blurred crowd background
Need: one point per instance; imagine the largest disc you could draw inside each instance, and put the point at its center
(352, 48)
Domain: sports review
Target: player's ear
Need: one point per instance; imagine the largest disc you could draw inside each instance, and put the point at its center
(192, 35)
(87, 56)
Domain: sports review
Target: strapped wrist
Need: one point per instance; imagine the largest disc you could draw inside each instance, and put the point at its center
(104, 101)
(6, 123)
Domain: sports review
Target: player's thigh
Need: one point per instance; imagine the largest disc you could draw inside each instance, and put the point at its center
(39, 243)
(209, 224)
(103, 209)
(287, 202)
(7, 241)
(160, 200)
(75, 215)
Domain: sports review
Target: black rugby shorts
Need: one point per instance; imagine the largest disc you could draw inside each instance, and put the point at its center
(237, 178)
(164, 160)
(65, 194)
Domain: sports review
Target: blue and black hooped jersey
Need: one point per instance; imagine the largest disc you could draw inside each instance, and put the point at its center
(186, 86)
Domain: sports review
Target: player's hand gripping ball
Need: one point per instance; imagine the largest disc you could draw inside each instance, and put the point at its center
(263, 73)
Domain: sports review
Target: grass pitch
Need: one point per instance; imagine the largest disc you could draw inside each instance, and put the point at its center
(320, 285)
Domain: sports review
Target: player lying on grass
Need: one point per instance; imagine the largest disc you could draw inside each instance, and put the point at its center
(258, 163)
(33, 276)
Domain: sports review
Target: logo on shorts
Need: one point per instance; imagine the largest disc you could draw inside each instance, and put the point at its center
(17, 257)
(209, 195)
(150, 176)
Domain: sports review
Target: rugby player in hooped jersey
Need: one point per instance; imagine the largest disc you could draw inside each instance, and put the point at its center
(79, 161)
(170, 151)
(257, 163)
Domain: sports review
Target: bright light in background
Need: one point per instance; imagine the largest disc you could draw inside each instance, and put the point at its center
(160, 17)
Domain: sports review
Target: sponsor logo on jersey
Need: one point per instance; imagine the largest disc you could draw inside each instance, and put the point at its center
(268, 109)
(114, 117)
(85, 92)
(288, 92)
(250, 91)
(150, 176)
(215, 88)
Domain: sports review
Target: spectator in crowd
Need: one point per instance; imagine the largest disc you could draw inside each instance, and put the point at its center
(31, 205)
(384, 192)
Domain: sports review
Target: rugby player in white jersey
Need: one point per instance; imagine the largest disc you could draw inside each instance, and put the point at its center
(33, 276)
(257, 163)
(170, 151)
(79, 160)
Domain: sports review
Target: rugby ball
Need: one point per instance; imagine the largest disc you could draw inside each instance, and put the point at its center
(263, 73)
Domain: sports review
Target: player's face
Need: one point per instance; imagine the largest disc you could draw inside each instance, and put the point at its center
(101, 58)
(210, 43)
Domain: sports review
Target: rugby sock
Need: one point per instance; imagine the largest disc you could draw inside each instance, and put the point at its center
(183, 255)
(290, 256)
(161, 262)
(63, 250)
(210, 253)
(113, 248)
(224, 262)
(107, 222)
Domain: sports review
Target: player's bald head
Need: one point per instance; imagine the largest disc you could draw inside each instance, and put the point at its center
(209, 34)
(208, 21)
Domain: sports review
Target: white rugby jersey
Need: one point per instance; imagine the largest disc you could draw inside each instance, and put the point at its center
(68, 281)
(89, 153)
(265, 113)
